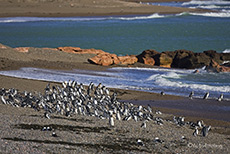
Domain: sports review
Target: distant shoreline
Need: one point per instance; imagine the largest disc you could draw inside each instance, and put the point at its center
(85, 8)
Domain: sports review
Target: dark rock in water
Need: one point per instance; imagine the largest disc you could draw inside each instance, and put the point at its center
(190, 60)
(227, 64)
(147, 57)
(215, 67)
(225, 56)
(213, 55)
(163, 60)
(181, 58)
(184, 59)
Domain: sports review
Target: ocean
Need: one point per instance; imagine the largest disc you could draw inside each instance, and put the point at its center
(126, 34)
(172, 81)
(131, 35)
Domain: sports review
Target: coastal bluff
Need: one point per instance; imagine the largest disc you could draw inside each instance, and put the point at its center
(183, 59)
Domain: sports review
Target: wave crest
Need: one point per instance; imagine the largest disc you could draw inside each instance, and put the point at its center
(226, 51)
(208, 2)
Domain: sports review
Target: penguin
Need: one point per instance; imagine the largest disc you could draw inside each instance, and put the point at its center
(220, 98)
(191, 95)
(206, 95)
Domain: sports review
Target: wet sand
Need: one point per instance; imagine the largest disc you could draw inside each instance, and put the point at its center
(67, 8)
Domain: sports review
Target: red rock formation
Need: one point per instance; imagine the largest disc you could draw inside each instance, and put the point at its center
(50, 49)
(148, 61)
(102, 59)
(2, 46)
(69, 49)
(147, 57)
(127, 60)
(80, 51)
(107, 59)
(22, 49)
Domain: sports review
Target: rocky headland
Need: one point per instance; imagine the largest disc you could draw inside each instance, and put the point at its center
(184, 59)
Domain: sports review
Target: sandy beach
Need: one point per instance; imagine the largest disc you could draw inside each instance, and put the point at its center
(21, 129)
(67, 8)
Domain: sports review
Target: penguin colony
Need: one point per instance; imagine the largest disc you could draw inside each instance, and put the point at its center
(72, 99)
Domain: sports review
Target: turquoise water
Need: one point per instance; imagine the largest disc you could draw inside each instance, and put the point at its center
(120, 35)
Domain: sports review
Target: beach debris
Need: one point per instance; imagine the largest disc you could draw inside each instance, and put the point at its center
(141, 143)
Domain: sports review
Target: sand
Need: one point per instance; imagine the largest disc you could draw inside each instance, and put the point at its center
(21, 132)
(63, 8)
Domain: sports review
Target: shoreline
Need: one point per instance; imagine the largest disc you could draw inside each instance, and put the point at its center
(85, 8)
(22, 127)
(171, 104)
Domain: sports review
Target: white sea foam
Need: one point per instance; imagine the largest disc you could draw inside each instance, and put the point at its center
(153, 16)
(196, 87)
(213, 14)
(212, 7)
(226, 51)
(174, 81)
(37, 19)
(208, 2)
(170, 75)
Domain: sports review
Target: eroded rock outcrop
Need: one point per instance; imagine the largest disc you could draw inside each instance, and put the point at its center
(3, 46)
(127, 60)
(181, 58)
(163, 60)
(22, 49)
(175, 59)
(147, 57)
(80, 51)
(107, 59)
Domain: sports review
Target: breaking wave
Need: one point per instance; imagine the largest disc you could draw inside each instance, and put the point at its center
(213, 14)
(226, 51)
(124, 18)
(208, 2)
(172, 81)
